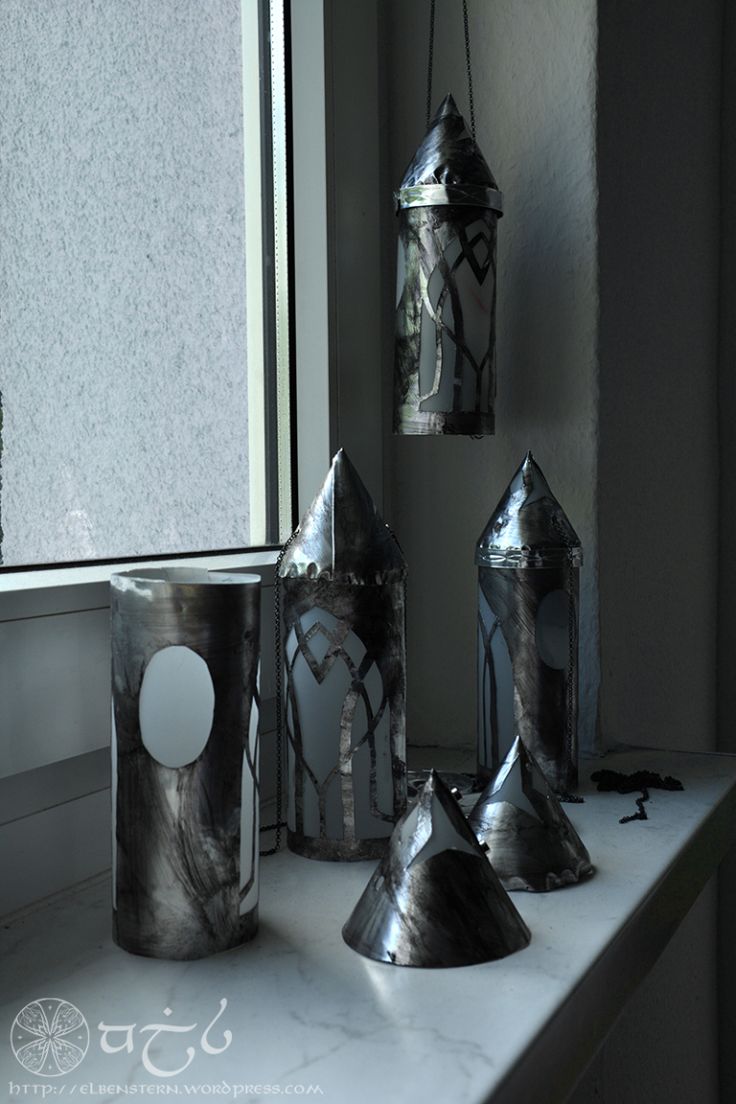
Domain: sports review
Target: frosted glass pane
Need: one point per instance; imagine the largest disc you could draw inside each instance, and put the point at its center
(122, 279)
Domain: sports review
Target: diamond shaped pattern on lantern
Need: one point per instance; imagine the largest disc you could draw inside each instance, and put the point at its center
(478, 252)
(352, 705)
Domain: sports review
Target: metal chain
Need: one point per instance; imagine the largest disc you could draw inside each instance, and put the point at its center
(279, 823)
(466, 26)
(430, 64)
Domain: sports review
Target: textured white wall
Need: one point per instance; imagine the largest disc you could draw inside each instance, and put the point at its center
(534, 67)
(122, 281)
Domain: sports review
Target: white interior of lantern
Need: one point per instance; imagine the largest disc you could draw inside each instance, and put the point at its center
(176, 706)
(504, 677)
(476, 303)
(509, 786)
(430, 832)
(322, 706)
(184, 576)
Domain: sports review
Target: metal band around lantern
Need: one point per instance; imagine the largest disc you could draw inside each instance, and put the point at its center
(450, 195)
(529, 557)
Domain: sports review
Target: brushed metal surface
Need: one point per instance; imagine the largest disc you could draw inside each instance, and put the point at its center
(528, 528)
(531, 843)
(527, 552)
(178, 883)
(434, 899)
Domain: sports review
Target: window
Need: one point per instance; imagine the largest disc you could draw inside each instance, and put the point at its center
(138, 419)
(54, 622)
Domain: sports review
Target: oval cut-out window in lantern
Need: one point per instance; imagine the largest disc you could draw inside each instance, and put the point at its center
(177, 704)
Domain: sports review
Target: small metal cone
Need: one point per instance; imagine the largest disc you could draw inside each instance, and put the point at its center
(531, 842)
(342, 530)
(448, 148)
(528, 512)
(434, 900)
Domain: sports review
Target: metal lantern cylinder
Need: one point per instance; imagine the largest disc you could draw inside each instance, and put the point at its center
(448, 206)
(342, 581)
(185, 654)
(528, 560)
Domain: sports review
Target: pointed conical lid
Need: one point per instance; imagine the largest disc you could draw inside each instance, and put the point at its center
(531, 842)
(448, 167)
(434, 899)
(342, 535)
(528, 528)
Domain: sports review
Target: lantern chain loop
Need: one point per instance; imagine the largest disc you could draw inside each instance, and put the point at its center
(430, 64)
(278, 823)
(467, 64)
(430, 61)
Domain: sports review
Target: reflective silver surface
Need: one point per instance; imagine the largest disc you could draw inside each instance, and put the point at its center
(342, 536)
(531, 842)
(455, 195)
(528, 573)
(448, 205)
(528, 528)
(178, 883)
(344, 664)
(434, 899)
(448, 155)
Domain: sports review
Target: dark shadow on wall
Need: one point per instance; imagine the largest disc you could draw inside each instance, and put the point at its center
(659, 195)
(727, 543)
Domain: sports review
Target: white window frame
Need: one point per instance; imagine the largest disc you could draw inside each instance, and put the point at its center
(338, 215)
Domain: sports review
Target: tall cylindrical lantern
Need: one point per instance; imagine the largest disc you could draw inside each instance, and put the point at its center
(528, 559)
(342, 592)
(448, 206)
(185, 654)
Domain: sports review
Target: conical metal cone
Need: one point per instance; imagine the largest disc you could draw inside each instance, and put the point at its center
(448, 167)
(528, 528)
(434, 899)
(531, 842)
(342, 536)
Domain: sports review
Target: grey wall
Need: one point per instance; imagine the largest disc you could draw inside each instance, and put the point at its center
(658, 172)
(658, 142)
(534, 71)
(602, 124)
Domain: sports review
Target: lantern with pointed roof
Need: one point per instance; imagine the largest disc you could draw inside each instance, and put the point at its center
(342, 579)
(528, 559)
(448, 205)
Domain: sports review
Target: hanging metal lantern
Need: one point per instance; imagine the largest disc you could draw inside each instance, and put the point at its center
(185, 653)
(343, 594)
(528, 572)
(434, 900)
(531, 842)
(448, 206)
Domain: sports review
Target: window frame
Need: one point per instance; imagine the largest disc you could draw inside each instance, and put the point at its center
(332, 358)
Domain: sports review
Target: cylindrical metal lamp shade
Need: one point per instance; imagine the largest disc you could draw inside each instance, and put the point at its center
(528, 561)
(185, 655)
(343, 613)
(448, 205)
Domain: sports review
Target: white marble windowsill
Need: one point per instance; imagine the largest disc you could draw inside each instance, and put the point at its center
(304, 1010)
